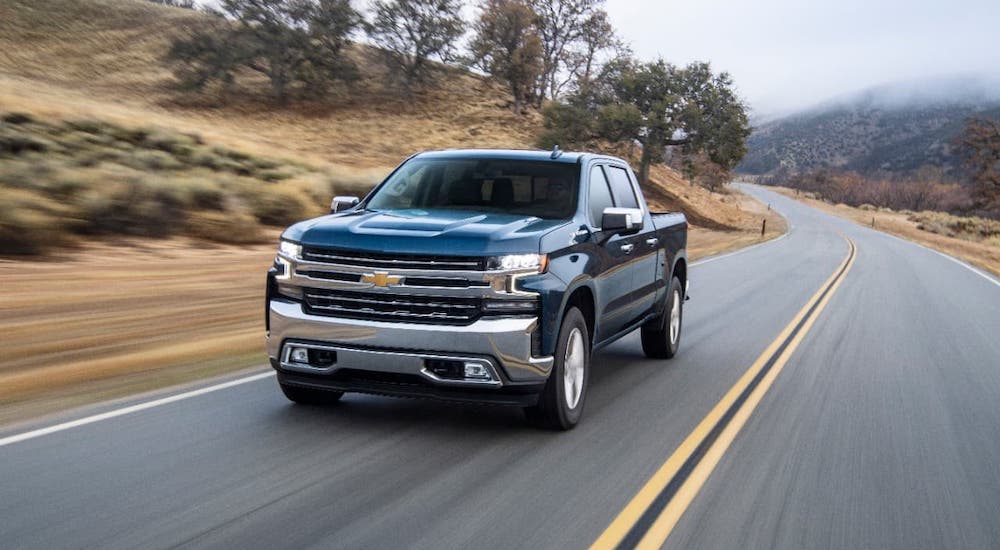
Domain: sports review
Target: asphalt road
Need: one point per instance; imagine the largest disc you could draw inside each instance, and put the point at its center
(881, 431)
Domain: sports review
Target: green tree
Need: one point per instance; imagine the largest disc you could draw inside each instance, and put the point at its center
(413, 32)
(979, 144)
(597, 36)
(507, 46)
(659, 105)
(288, 41)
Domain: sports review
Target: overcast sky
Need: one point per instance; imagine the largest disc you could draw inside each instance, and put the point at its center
(788, 54)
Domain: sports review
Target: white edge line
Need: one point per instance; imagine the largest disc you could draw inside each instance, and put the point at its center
(944, 255)
(129, 410)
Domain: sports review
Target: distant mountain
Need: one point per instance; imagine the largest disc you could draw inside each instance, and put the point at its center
(893, 128)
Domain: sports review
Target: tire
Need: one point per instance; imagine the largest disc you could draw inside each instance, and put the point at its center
(560, 405)
(309, 396)
(659, 341)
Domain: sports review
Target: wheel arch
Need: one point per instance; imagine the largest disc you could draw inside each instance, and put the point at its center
(582, 297)
(680, 269)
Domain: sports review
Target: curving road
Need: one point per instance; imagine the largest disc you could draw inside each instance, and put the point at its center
(882, 430)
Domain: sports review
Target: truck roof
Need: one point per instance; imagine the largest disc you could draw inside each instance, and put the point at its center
(568, 157)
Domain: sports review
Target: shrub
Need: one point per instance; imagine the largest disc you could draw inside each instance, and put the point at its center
(64, 187)
(236, 227)
(200, 194)
(25, 173)
(13, 142)
(276, 205)
(94, 157)
(152, 160)
(274, 175)
(180, 145)
(263, 163)
(29, 223)
(17, 118)
(972, 228)
(91, 177)
(133, 207)
(229, 153)
(90, 126)
(206, 159)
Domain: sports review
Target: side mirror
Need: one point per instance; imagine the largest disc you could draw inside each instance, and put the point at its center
(340, 204)
(621, 220)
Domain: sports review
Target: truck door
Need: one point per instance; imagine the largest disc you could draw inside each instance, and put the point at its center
(642, 256)
(614, 280)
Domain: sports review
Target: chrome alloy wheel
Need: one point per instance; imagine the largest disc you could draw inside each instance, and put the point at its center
(573, 364)
(675, 317)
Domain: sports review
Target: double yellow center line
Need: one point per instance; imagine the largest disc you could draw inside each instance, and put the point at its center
(647, 520)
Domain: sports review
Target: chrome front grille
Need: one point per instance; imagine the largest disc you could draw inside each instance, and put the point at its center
(374, 260)
(383, 306)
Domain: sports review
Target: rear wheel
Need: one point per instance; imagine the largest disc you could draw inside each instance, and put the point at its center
(561, 404)
(662, 336)
(310, 396)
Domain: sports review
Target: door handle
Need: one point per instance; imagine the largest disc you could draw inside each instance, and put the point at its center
(627, 248)
(653, 242)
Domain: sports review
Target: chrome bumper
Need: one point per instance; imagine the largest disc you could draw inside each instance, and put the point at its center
(503, 344)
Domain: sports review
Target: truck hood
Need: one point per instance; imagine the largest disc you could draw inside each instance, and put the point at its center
(444, 232)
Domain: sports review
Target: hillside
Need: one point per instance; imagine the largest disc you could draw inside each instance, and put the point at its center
(104, 58)
(894, 128)
(101, 62)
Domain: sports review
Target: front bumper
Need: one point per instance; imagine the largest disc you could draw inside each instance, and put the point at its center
(502, 344)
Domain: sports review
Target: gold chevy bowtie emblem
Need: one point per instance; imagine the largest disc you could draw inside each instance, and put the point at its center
(381, 278)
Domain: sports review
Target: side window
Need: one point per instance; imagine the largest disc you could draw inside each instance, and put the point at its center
(622, 188)
(600, 196)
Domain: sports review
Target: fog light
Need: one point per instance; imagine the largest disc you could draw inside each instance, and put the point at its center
(477, 371)
(299, 355)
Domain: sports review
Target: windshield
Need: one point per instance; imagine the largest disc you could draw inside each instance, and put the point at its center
(528, 188)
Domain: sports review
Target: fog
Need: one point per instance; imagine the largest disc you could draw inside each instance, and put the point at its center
(790, 54)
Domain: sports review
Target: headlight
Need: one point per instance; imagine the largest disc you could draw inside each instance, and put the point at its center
(290, 249)
(518, 262)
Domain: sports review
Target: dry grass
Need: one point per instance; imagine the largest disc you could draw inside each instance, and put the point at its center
(982, 252)
(720, 221)
(60, 180)
(704, 242)
(79, 56)
(114, 317)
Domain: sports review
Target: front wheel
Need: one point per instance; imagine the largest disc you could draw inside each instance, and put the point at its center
(662, 336)
(561, 403)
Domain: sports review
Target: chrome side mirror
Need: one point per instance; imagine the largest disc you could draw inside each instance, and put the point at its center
(621, 220)
(340, 204)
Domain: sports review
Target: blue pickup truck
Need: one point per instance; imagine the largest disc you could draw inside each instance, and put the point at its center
(476, 276)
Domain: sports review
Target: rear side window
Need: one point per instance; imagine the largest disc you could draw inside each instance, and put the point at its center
(600, 195)
(622, 188)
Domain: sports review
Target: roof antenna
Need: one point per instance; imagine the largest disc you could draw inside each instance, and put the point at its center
(556, 152)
